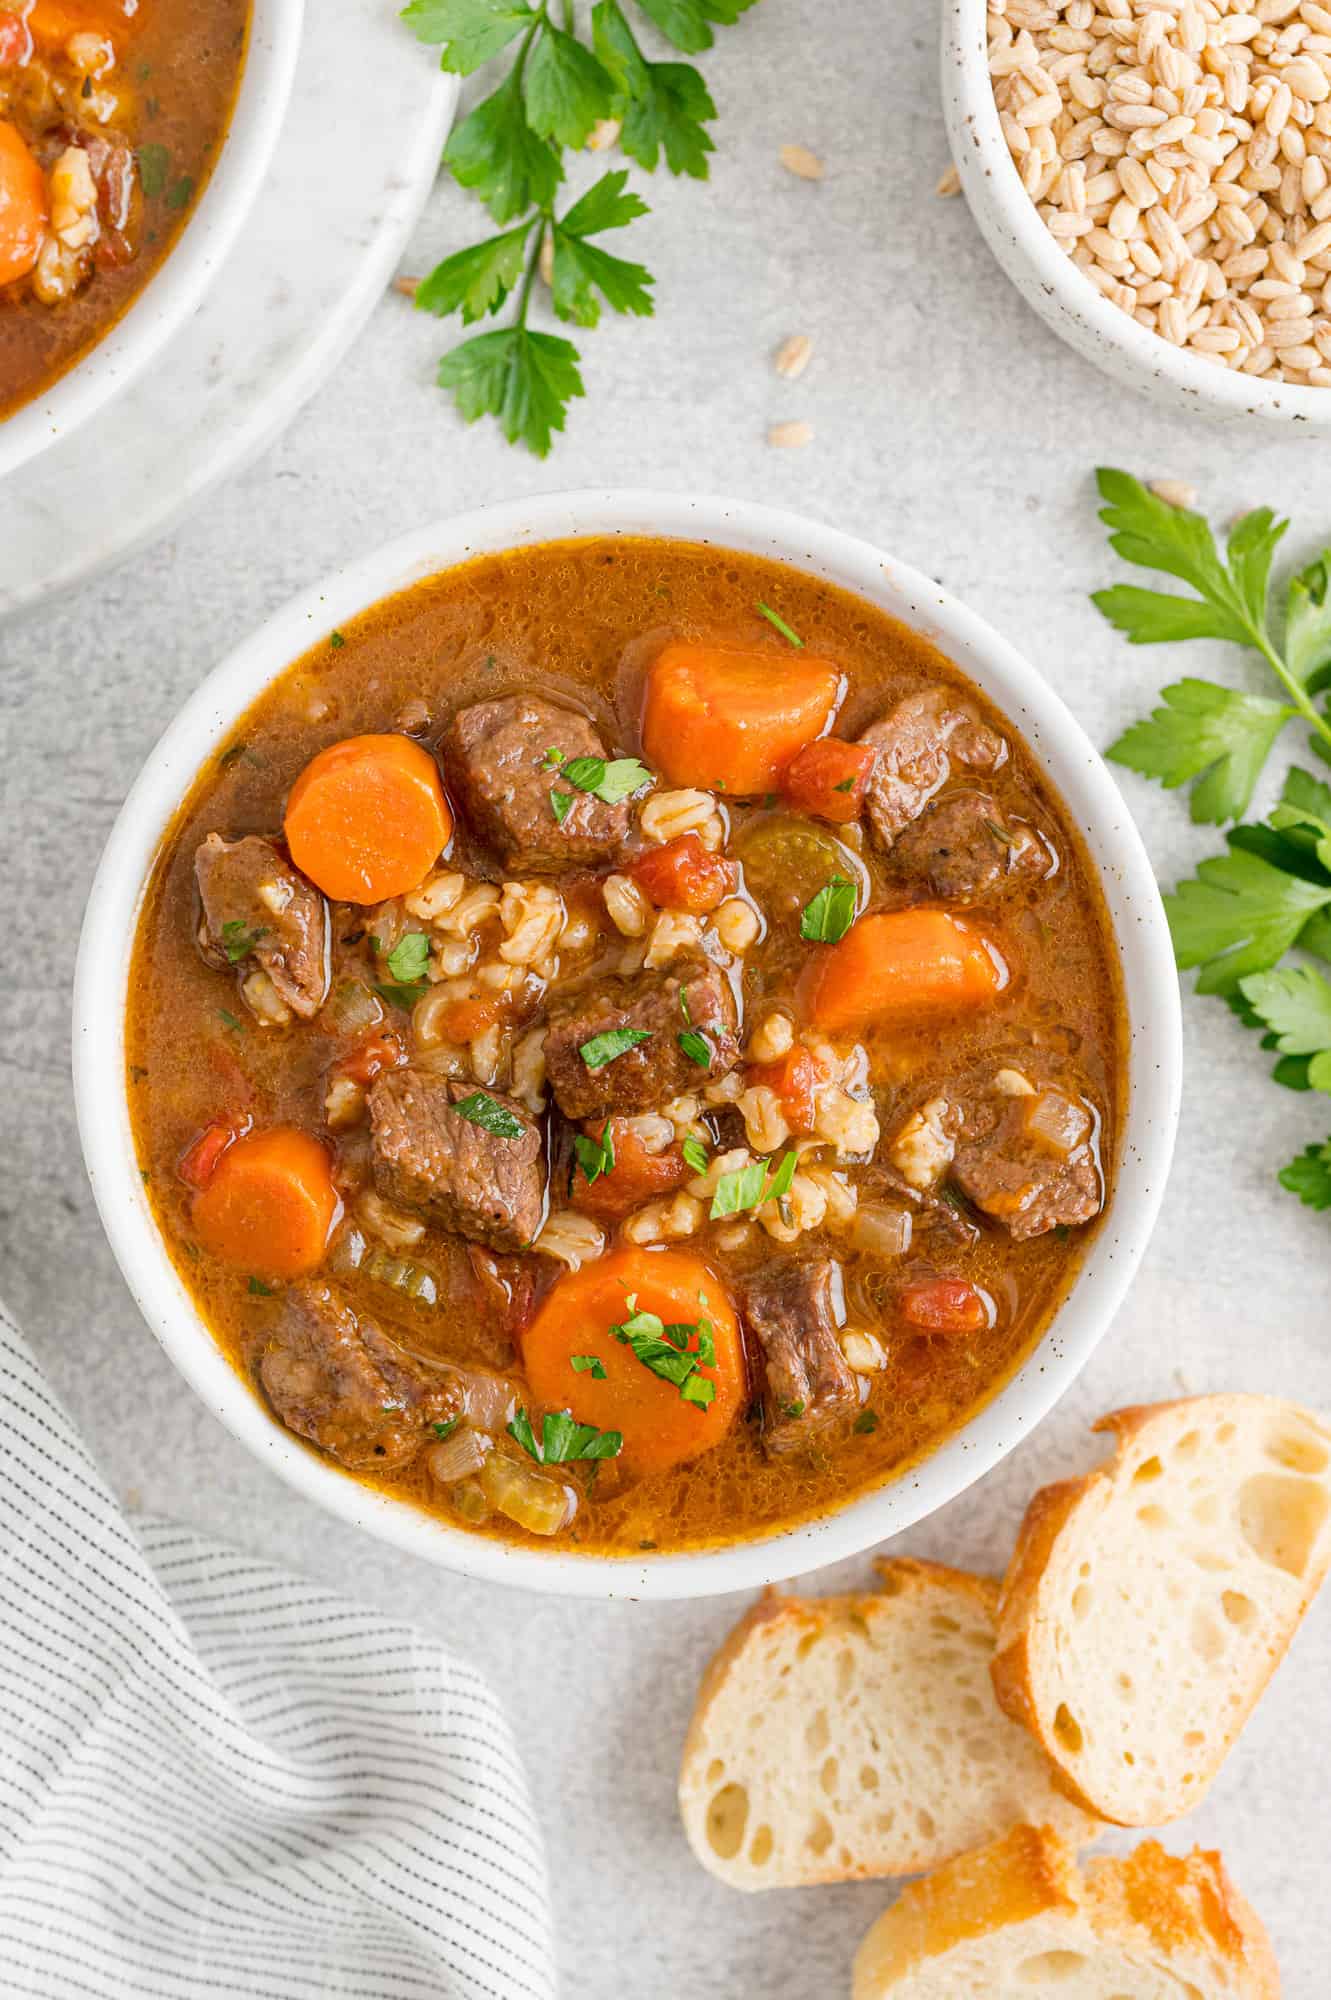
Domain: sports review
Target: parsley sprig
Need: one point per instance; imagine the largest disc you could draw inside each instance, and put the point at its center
(560, 86)
(1269, 894)
(1216, 738)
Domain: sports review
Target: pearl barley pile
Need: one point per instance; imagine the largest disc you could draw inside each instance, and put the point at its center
(1179, 152)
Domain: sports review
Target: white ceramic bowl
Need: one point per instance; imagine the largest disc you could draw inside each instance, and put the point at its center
(1051, 282)
(1073, 766)
(180, 281)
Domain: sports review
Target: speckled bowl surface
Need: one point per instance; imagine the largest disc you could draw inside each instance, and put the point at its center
(1051, 282)
(1063, 751)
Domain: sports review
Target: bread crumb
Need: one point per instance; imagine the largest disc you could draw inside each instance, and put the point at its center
(798, 160)
(603, 135)
(948, 183)
(790, 436)
(407, 286)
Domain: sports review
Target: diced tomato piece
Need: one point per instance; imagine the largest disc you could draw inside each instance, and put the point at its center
(682, 875)
(829, 778)
(15, 41)
(381, 1050)
(794, 1077)
(466, 1019)
(199, 1161)
(637, 1175)
(945, 1305)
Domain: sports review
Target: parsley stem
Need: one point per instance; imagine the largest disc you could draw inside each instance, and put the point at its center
(1299, 696)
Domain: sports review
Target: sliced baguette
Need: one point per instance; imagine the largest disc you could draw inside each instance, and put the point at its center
(842, 1737)
(1018, 1919)
(1147, 1605)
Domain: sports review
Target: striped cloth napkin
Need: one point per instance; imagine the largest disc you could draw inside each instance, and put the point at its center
(218, 1780)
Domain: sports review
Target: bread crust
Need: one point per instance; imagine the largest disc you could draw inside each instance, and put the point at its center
(1182, 1913)
(1031, 1602)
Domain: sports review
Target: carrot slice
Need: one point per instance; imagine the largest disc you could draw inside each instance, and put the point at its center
(23, 212)
(901, 964)
(659, 1427)
(269, 1204)
(730, 717)
(54, 21)
(367, 818)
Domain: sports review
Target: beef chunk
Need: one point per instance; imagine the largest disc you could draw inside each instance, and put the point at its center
(961, 850)
(1028, 1158)
(693, 997)
(334, 1376)
(256, 905)
(427, 1156)
(918, 744)
(808, 1384)
(498, 755)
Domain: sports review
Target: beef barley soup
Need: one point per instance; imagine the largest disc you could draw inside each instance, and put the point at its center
(625, 1046)
(112, 114)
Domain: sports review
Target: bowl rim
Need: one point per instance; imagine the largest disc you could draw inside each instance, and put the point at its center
(175, 288)
(1063, 752)
(990, 178)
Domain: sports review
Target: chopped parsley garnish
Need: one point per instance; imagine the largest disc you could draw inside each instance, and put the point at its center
(447, 1428)
(230, 754)
(695, 1155)
(403, 996)
(336, 641)
(612, 1042)
(238, 940)
(594, 1156)
(562, 1439)
(560, 804)
(410, 956)
(775, 618)
(751, 1186)
(668, 1350)
(483, 1110)
(228, 1020)
(154, 168)
(610, 781)
(792, 1410)
(846, 785)
(588, 1364)
(866, 1422)
(696, 1047)
(552, 760)
(259, 1290)
(827, 916)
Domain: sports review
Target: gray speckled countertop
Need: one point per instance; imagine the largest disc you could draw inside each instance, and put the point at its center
(953, 429)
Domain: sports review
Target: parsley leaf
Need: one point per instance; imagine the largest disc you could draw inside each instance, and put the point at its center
(588, 1364)
(525, 379)
(749, 1187)
(1238, 916)
(594, 1156)
(154, 161)
(409, 957)
(1309, 1176)
(1294, 1003)
(1231, 593)
(695, 1046)
(561, 804)
(866, 1423)
(229, 1020)
(695, 1155)
(562, 1439)
(1308, 624)
(402, 996)
(1207, 733)
(565, 89)
(580, 269)
(259, 1290)
(669, 1351)
(477, 280)
(686, 23)
(496, 154)
(661, 105)
(611, 1042)
(446, 1428)
(483, 1110)
(827, 916)
(238, 940)
(471, 30)
(775, 619)
(612, 780)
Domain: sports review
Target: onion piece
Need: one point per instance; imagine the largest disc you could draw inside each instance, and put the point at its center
(526, 1496)
(881, 1229)
(457, 1456)
(351, 1008)
(1055, 1122)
